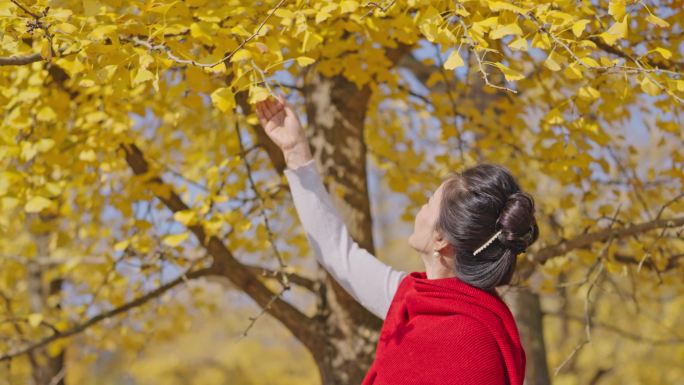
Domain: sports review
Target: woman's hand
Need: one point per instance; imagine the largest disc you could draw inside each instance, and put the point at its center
(281, 124)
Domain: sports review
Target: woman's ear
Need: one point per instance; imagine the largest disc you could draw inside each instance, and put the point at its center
(440, 242)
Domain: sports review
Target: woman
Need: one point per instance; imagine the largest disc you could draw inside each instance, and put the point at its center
(447, 324)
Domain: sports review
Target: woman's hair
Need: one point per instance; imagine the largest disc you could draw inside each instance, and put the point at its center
(476, 203)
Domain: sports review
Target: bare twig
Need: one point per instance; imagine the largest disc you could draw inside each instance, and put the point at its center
(485, 75)
(20, 60)
(587, 299)
(296, 279)
(377, 6)
(37, 23)
(172, 56)
(454, 106)
(283, 275)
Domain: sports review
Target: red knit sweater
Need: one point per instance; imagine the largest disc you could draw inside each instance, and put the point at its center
(444, 331)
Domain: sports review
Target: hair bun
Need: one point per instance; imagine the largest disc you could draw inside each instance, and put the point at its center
(517, 222)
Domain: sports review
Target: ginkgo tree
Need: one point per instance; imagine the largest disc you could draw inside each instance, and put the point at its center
(133, 164)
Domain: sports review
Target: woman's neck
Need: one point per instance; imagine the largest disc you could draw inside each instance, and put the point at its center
(438, 267)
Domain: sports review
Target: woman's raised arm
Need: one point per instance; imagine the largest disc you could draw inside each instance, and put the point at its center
(371, 282)
(365, 277)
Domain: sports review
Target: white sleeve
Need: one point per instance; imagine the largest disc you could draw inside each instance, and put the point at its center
(371, 282)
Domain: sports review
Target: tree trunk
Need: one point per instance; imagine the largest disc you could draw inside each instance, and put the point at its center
(526, 307)
(336, 111)
(45, 369)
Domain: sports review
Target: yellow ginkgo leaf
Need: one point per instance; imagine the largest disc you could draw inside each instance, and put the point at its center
(519, 44)
(145, 60)
(554, 117)
(504, 30)
(616, 8)
(102, 32)
(202, 31)
(679, 85)
(241, 54)
(482, 26)
(65, 28)
(284, 13)
(454, 61)
(37, 204)
(243, 225)
(349, 6)
(257, 94)
(616, 31)
(45, 145)
(96, 117)
(462, 12)
(552, 62)
(311, 40)
(240, 30)
(504, 5)
(121, 245)
(541, 40)
(34, 319)
(430, 31)
(509, 74)
(175, 29)
(573, 71)
(46, 114)
(186, 217)
(142, 76)
(578, 27)
(588, 93)
(321, 16)
(175, 239)
(223, 99)
(87, 155)
(666, 53)
(649, 86)
(162, 9)
(589, 62)
(607, 62)
(304, 61)
(657, 21)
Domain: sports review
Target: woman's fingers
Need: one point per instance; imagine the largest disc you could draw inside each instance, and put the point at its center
(277, 105)
(271, 106)
(282, 102)
(260, 112)
(265, 110)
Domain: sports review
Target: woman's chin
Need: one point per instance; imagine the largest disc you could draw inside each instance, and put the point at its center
(410, 241)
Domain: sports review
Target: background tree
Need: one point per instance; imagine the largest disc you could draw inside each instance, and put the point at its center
(133, 165)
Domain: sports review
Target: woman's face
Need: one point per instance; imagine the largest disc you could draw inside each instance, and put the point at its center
(423, 235)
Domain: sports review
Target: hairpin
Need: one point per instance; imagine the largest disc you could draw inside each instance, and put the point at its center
(487, 243)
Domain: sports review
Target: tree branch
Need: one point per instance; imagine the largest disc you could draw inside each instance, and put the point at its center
(225, 263)
(585, 240)
(664, 64)
(298, 280)
(108, 314)
(623, 333)
(20, 60)
(177, 59)
(672, 261)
